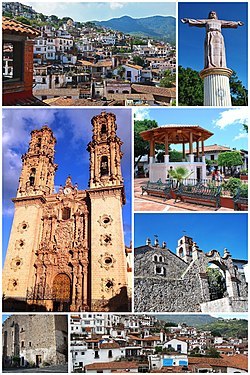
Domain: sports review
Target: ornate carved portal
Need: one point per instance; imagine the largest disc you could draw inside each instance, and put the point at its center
(62, 292)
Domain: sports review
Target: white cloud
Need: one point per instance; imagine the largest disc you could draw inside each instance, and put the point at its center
(141, 114)
(115, 6)
(240, 136)
(231, 117)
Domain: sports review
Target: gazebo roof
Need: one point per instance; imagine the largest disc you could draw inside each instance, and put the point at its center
(177, 133)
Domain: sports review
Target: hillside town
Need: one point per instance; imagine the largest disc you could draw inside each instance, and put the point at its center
(84, 63)
(144, 343)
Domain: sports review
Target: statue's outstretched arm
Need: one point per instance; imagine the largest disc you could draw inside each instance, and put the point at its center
(231, 24)
(193, 22)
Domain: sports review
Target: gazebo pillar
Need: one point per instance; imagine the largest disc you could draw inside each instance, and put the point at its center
(202, 152)
(166, 156)
(183, 152)
(152, 151)
(191, 155)
(197, 150)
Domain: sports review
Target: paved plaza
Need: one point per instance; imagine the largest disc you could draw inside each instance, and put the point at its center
(47, 369)
(150, 203)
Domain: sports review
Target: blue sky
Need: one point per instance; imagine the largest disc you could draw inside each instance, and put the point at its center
(191, 39)
(102, 11)
(73, 131)
(226, 124)
(210, 231)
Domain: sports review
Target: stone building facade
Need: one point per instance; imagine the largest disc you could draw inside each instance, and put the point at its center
(188, 281)
(35, 340)
(66, 250)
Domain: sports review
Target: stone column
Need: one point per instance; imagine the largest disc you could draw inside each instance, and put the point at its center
(216, 86)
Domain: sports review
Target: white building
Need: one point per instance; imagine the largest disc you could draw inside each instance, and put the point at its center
(133, 72)
(179, 346)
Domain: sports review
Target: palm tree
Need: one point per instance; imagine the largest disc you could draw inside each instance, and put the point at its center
(179, 174)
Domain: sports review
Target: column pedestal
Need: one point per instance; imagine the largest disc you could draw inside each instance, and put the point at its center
(216, 86)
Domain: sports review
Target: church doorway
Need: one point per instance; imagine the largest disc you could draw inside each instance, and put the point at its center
(61, 292)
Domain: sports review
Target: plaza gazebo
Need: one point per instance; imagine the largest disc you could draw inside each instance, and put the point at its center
(177, 134)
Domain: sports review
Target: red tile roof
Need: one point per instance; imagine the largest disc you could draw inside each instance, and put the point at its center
(113, 365)
(10, 26)
(238, 361)
(161, 91)
(109, 345)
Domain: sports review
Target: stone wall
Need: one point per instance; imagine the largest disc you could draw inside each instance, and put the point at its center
(154, 294)
(227, 304)
(30, 336)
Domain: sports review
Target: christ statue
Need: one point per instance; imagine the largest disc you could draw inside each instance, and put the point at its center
(215, 56)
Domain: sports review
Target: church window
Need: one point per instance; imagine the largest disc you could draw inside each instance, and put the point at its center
(29, 343)
(103, 129)
(158, 270)
(18, 263)
(66, 213)
(24, 226)
(160, 259)
(104, 166)
(109, 284)
(106, 220)
(32, 176)
(108, 260)
(181, 252)
(107, 239)
(155, 258)
(39, 142)
(22, 344)
(21, 243)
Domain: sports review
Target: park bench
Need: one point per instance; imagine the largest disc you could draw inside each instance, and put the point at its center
(241, 200)
(199, 193)
(158, 189)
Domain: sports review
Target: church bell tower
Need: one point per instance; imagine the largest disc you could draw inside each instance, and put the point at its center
(35, 183)
(106, 193)
(38, 168)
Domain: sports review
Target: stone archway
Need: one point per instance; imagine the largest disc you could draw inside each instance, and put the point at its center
(216, 281)
(62, 292)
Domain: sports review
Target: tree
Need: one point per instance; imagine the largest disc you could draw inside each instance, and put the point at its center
(168, 80)
(216, 282)
(230, 159)
(137, 60)
(179, 174)
(212, 352)
(245, 127)
(23, 20)
(239, 93)
(175, 156)
(190, 87)
(121, 72)
(142, 147)
(158, 349)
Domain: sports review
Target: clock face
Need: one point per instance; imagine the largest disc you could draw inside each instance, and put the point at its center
(67, 191)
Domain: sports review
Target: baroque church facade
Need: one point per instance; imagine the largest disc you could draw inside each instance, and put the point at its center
(66, 250)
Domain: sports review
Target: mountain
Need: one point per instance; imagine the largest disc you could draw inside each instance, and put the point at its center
(191, 320)
(228, 328)
(158, 27)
